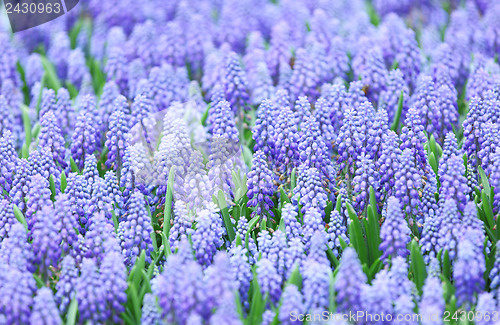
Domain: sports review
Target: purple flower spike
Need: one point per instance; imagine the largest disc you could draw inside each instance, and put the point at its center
(46, 240)
(115, 139)
(83, 140)
(336, 231)
(236, 87)
(472, 129)
(453, 181)
(368, 66)
(468, 273)
(44, 308)
(241, 269)
(388, 162)
(394, 233)
(16, 292)
(7, 160)
(450, 228)
(389, 97)
(366, 176)
(304, 80)
(269, 279)
(136, 228)
(113, 278)
(495, 271)
(91, 293)
(316, 285)
(51, 138)
(65, 287)
(349, 281)
(263, 132)
(310, 191)
(208, 235)
(408, 182)
(292, 303)
(413, 137)
(38, 197)
(432, 302)
(376, 298)
(292, 225)
(260, 186)
(286, 143)
(486, 303)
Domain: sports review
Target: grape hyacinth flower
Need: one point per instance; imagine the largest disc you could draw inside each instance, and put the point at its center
(65, 287)
(389, 97)
(394, 233)
(349, 281)
(263, 131)
(44, 308)
(336, 230)
(90, 293)
(495, 271)
(286, 143)
(7, 160)
(472, 130)
(413, 138)
(388, 162)
(292, 302)
(83, 140)
(486, 304)
(136, 229)
(38, 196)
(269, 280)
(235, 85)
(7, 218)
(366, 176)
(47, 102)
(113, 278)
(304, 80)
(316, 285)
(293, 228)
(150, 312)
(468, 273)
(51, 138)
(408, 182)
(241, 269)
(260, 186)
(450, 228)
(453, 182)
(116, 139)
(376, 298)
(46, 240)
(432, 302)
(310, 190)
(16, 295)
(207, 236)
(368, 66)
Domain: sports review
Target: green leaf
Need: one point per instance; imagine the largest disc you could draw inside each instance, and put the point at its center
(225, 215)
(27, 129)
(50, 73)
(417, 265)
(258, 304)
(133, 298)
(20, 217)
(484, 181)
(295, 277)
(251, 225)
(39, 281)
(433, 162)
(167, 213)
(64, 182)
(239, 242)
(343, 244)
(283, 196)
(397, 117)
(486, 206)
(338, 204)
(446, 264)
(205, 116)
(356, 235)
(372, 233)
(52, 185)
(72, 311)
(74, 167)
(331, 256)
(293, 179)
(247, 156)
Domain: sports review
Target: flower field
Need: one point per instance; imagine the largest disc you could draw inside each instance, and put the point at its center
(227, 162)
